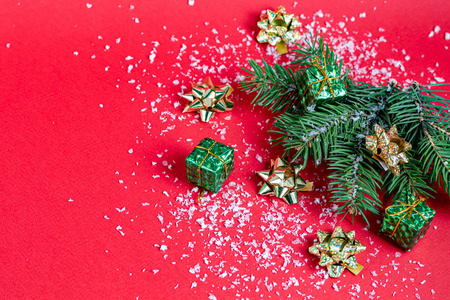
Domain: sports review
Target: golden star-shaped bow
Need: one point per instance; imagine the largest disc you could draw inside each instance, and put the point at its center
(337, 251)
(208, 99)
(283, 181)
(278, 28)
(388, 148)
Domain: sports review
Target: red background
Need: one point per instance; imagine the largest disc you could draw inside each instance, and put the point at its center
(80, 209)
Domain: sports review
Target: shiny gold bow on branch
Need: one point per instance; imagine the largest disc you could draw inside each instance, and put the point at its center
(208, 99)
(278, 28)
(388, 148)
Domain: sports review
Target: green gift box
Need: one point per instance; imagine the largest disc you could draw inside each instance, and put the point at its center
(316, 81)
(210, 164)
(407, 220)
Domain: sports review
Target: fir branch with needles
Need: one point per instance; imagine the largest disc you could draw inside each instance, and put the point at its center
(424, 119)
(335, 131)
(279, 88)
(314, 48)
(276, 87)
(411, 179)
(316, 130)
(355, 182)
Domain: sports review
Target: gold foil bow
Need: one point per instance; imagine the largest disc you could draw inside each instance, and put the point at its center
(283, 181)
(278, 28)
(337, 251)
(208, 99)
(388, 148)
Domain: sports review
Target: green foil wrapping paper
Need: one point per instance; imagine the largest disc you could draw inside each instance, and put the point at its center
(212, 173)
(311, 75)
(412, 226)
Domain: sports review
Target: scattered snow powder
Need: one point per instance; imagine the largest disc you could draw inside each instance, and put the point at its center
(195, 269)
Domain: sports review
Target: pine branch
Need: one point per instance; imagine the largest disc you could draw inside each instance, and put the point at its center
(276, 87)
(355, 180)
(434, 151)
(371, 98)
(314, 132)
(336, 131)
(280, 88)
(423, 118)
(314, 47)
(411, 179)
(442, 130)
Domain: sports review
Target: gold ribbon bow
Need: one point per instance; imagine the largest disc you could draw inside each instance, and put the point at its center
(388, 148)
(283, 181)
(337, 251)
(278, 28)
(409, 209)
(208, 150)
(208, 99)
(325, 80)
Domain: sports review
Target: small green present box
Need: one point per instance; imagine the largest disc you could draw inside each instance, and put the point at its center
(210, 164)
(322, 84)
(407, 220)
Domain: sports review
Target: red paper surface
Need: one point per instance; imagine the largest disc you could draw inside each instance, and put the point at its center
(94, 199)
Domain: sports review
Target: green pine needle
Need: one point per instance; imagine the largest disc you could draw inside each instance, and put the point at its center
(276, 87)
(411, 179)
(314, 48)
(355, 180)
(423, 118)
(316, 131)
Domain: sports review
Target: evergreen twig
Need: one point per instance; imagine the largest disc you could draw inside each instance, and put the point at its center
(423, 118)
(336, 131)
(314, 132)
(276, 87)
(355, 181)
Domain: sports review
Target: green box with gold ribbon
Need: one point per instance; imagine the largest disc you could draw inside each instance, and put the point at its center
(322, 83)
(407, 220)
(210, 164)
